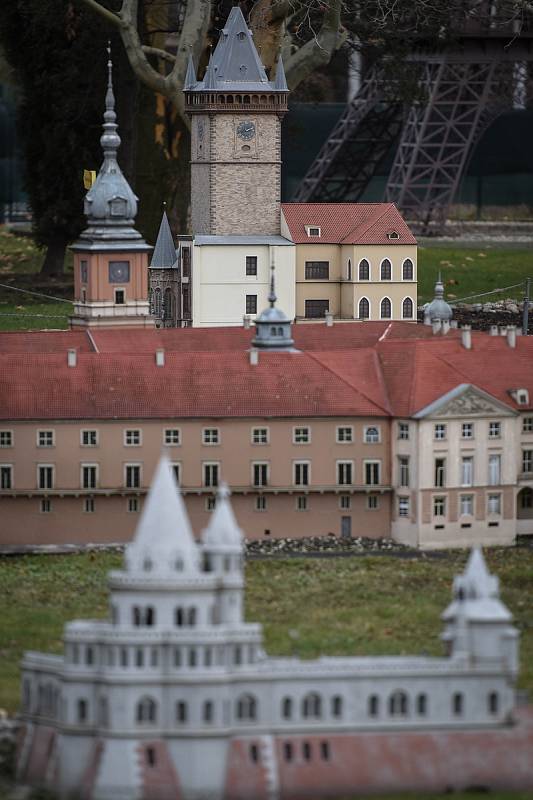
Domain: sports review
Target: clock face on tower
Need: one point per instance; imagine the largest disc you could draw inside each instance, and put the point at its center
(246, 130)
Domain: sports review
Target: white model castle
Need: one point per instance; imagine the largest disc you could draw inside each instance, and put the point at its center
(173, 696)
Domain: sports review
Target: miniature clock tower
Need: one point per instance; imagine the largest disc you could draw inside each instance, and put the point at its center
(110, 257)
(236, 115)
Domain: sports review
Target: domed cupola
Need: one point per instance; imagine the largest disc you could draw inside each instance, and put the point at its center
(272, 326)
(110, 204)
(163, 542)
(438, 309)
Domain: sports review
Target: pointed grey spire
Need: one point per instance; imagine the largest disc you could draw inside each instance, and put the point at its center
(223, 529)
(190, 75)
(273, 327)
(210, 77)
(164, 255)
(110, 204)
(280, 84)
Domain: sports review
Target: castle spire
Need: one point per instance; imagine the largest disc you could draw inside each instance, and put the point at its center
(223, 529)
(190, 75)
(280, 84)
(164, 255)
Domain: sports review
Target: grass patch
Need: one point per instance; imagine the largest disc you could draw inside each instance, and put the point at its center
(474, 269)
(361, 606)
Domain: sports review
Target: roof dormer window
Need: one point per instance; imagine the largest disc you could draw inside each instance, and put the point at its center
(520, 396)
(313, 230)
(393, 235)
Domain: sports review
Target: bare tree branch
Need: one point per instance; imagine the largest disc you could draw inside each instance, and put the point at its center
(319, 49)
(156, 51)
(110, 16)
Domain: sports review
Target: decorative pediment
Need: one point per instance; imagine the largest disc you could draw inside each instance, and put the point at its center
(465, 401)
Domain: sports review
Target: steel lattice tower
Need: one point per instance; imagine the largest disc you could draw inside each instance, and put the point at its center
(462, 89)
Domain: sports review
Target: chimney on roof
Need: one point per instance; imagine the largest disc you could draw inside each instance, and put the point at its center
(436, 326)
(247, 322)
(254, 357)
(511, 335)
(493, 330)
(72, 358)
(329, 318)
(466, 337)
(160, 358)
(445, 326)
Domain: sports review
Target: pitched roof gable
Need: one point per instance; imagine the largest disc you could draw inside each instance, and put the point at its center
(347, 223)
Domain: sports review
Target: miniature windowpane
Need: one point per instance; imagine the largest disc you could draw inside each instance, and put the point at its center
(211, 436)
(317, 270)
(133, 476)
(45, 438)
(260, 474)
(372, 472)
(345, 473)
(407, 308)
(407, 270)
(494, 430)
(372, 435)
(386, 270)
(6, 476)
(364, 270)
(259, 435)
(385, 308)
(403, 430)
(301, 473)
(302, 435)
(251, 304)
(251, 266)
(6, 438)
(172, 436)
(345, 434)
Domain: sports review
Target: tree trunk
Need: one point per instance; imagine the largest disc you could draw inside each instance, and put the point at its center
(54, 259)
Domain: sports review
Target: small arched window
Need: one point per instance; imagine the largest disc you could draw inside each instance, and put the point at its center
(136, 613)
(208, 711)
(247, 707)
(349, 270)
(286, 708)
(407, 270)
(364, 270)
(407, 308)
(493, 702)
(398, 704)
(364, 309)
(191, 618)
(457, 703)
(371, 435)
(146, 711)
(181, 711)
(149, 618)
(312, 706)
(178, 618)
(157, 302)
(82, 710)
(385, 308)
(373, 705)
(89, 656)
(422, 704)
(192, 657)
(336, 706)
(386, 270)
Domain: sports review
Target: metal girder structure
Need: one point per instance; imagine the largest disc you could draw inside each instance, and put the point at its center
(356, 146)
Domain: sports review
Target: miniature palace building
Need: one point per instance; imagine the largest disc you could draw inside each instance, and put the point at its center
(174, 696)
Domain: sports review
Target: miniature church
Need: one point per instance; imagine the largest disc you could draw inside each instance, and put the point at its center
(174, 696)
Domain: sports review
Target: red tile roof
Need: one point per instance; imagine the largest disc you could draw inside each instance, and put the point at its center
(347, 223)
(350, 369)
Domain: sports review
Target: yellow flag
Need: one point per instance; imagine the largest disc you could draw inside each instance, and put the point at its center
(89, 177)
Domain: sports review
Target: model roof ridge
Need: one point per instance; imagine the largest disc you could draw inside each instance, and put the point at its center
(364, 227)
(163, 541)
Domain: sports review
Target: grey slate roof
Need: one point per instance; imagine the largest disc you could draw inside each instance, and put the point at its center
(164, 255)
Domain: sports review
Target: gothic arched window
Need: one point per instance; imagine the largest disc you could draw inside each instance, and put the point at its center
(398, 704)
(349, 270)
(168, 304)
(407, 308)
(146, 711)
(364, 309)
(364, 270)
(157, 302)
(407, 270)
(247, 707)
(386, 308)
(312, 705)
(386, 270)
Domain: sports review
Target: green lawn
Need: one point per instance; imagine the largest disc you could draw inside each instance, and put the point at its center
(361, 605)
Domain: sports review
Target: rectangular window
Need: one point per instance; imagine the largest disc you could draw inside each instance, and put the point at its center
(211, 436)
(134, 505)
(302, 504)
(467, 471)
(372, 502)
(88, 505)
(345, 502)
(345, 435)
(345, 473)
(527, 425)
(527, 460)
(6, 476)
(494, 504)
(495, 468)
(312, 230)
(440, 431)
(316, 309)
(439, 506)
(440, 472)
(317, 270)
(172, 436)
(210, 475)
(89, 438)
(132, 475)
(403, 471)
(251, 304)
(467, 505)
(260, 474)
(372, 472)
(186, 299)
(259, 435)
(467, 430)
(372, 435)
(89, 476)
(251, 267)
(301, 473)
(185, 262)
(132, 438)
(176, 469)
(301, 435)
(120, 297)
(45, 438)
(210, 503)
(83, 271)
(45, 476)
(6, 438)
(403, 506)
(260, 503)
(403, 431)
(495, 430)
(45, 505)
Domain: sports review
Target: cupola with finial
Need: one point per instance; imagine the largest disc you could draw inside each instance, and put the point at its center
(110, 256)
(273, 327)
(438, 309)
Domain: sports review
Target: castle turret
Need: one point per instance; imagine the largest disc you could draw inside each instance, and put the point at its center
(110, 256)
(165, 278)
(478, 625)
